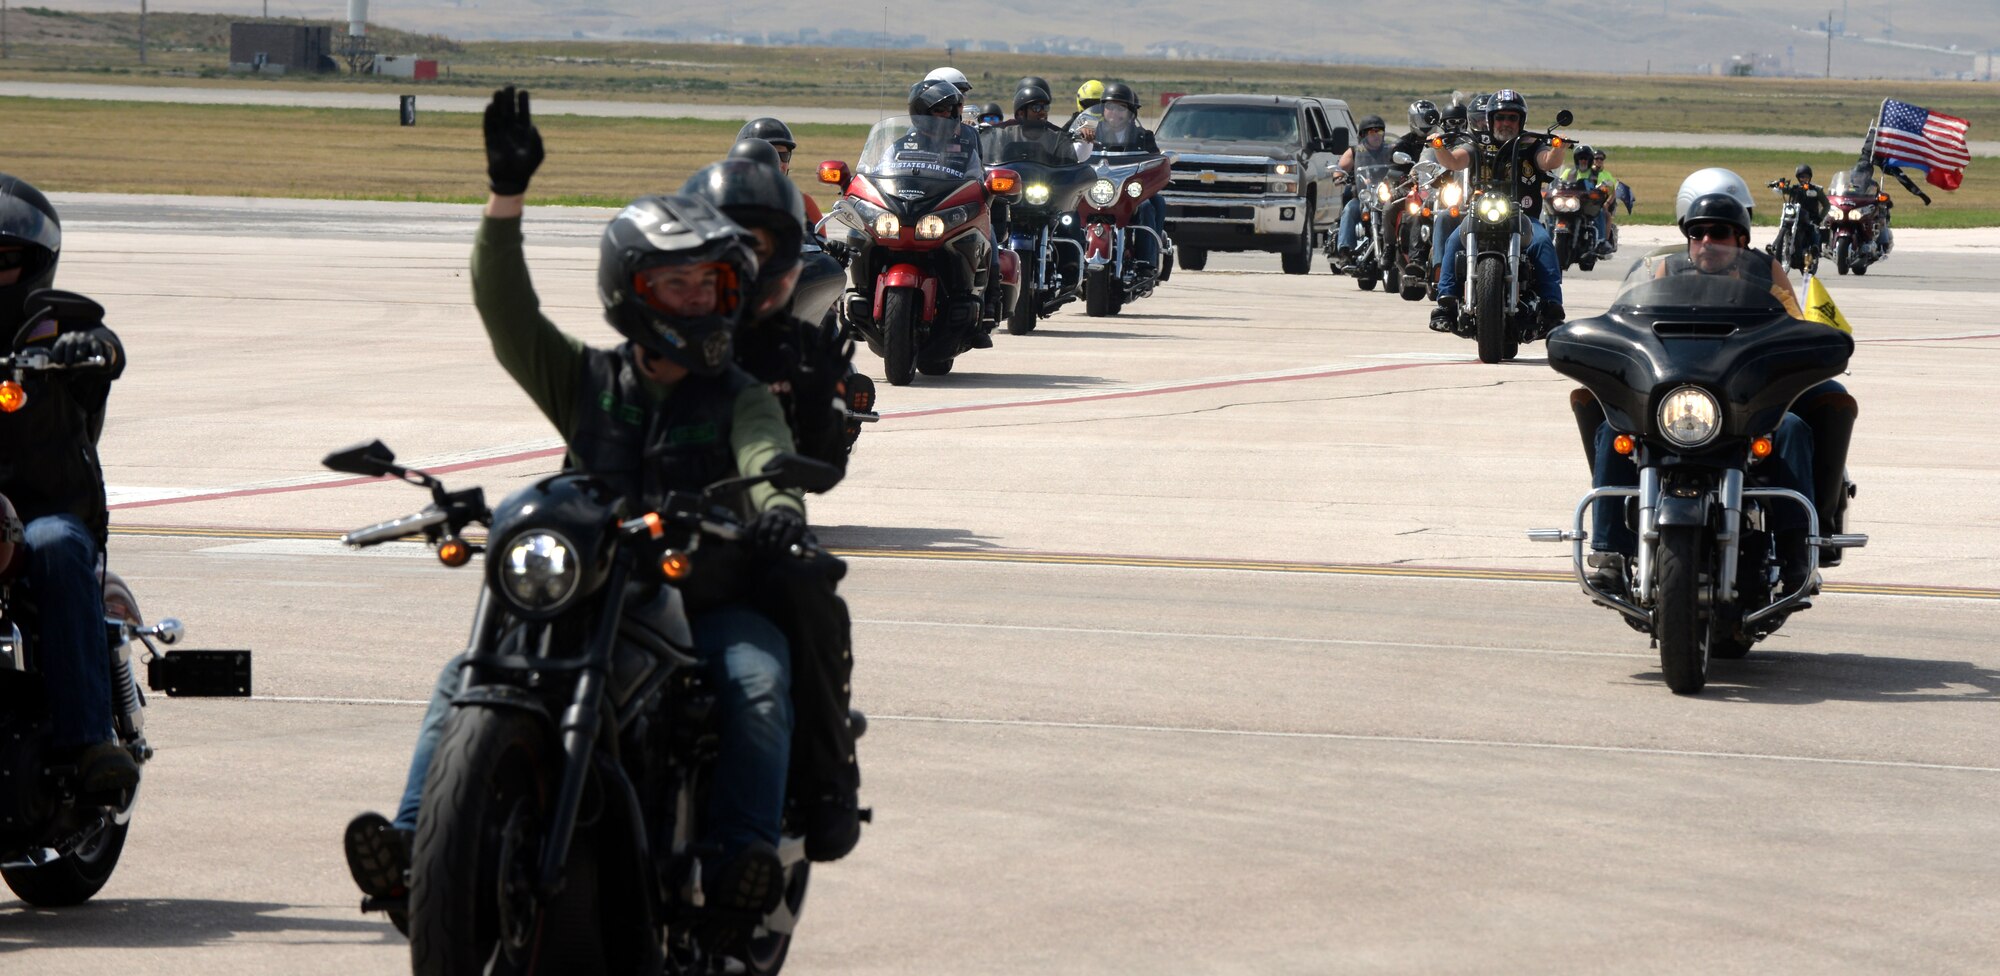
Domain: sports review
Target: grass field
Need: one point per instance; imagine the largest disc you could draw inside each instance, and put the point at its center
(225, 150)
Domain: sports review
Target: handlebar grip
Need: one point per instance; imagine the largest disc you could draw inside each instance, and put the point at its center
(834, 567)
(393, 529)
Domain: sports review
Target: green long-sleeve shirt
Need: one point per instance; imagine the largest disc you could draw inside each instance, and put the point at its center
(549, 363)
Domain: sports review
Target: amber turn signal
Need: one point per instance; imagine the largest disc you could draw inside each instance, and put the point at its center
(1623, 444)
(1761, 448)
(454, 552)
(1002, 184)
(829, 173)
(654, 527)
(676, 565)
(12, 397)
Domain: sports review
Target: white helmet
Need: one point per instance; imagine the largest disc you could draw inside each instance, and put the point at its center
(1714, 179)
(953, 75)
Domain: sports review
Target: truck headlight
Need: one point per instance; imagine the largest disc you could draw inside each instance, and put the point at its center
(1102, 192)
(1689, 416)
(539, 572)
(1453, 195)
(1037, 193)
(1283, 169)
(886, 225)
(1285, 186)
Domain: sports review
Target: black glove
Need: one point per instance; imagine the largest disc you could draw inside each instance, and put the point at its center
(778, 530)
(513, 145)
(71, 348)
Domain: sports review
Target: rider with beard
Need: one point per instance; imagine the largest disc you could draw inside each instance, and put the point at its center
(1487, 155)
(667, 410)
(49, 470)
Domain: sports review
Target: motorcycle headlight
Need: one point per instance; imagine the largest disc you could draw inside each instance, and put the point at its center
(1037, 193)
(1382, 192)
(1453, 195)
(1494, 209)
(1133, 189)
(1102, 192)
(886, 225)
(930, 228)
(1414, 205)
(1690, 417)
(539, 571)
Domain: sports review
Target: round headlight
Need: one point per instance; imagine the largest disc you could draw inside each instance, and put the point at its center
(1282, 169)
(931, 228)
(1453, 195)
(1037, 193)
(1102, 193)
(1414, 205)
(1382, 191)
(539, 572)
(1133, 189)
(1690, 417)
(1494, 209)
(888, 226)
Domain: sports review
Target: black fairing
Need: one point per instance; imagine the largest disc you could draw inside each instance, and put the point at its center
(578, 506)
(1065, 183)
(819, 285)
(1754, 364)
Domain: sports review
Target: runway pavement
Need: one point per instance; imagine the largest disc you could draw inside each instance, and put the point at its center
(1200, 639)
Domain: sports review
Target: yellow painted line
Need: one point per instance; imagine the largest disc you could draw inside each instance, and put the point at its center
(1134, 562)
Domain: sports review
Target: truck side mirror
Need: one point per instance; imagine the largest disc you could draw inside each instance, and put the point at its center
(1337, 144)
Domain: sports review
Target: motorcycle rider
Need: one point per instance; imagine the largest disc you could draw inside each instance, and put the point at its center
(1485, 155)
(1373, 150)
(779, 135)
(1583, 169)
(51, 474)
(938, 99)
(1812, 203)
(953, 75)
(1614, 191)
(990, 115)
(1717, 228)
(1087, 94)
(1120, 108)
(666, 410)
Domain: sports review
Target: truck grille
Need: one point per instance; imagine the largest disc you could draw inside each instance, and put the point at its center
(1198, 212)
(1244, 178)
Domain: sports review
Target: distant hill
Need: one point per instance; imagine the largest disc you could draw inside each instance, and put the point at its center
(1882, 38)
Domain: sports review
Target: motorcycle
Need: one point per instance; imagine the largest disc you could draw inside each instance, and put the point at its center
(1052, 179)
(1127, 176)
(1375, 237)
(1499, 308)
(59, 846)
(1785, 244)
(926, 278)
(560, 815)
(1430, 189)
(1572, 206)
(1696, 371)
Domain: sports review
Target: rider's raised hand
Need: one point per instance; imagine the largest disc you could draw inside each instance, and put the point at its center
(513, 145)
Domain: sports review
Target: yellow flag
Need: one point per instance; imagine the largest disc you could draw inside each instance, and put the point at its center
(1820, 307)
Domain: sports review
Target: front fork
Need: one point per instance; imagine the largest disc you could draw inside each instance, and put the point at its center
(581, 723)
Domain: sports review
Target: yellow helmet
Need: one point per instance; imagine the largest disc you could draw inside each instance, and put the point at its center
(1089, 93)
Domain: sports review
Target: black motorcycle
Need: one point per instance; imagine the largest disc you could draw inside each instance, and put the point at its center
(58, 846)
(1570, 212)
(1051, 254)
(1499, 308)
(561, 812)
(1429, 188)
(1696, 371)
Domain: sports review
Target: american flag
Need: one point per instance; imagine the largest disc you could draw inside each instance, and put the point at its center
(1933, 142)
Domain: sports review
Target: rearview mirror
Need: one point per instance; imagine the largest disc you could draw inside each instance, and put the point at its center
(373, 460)
(1402, 159)
(1564, 117)
(798, 471)
(835, 173)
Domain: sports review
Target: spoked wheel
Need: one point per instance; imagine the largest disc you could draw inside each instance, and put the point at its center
(1490, 318)
(72, 880)
(773, 940)
(899, 333)
(477, 852)
(1677, 611)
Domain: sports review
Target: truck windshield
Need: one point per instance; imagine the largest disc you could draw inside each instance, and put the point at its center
(1231, 123)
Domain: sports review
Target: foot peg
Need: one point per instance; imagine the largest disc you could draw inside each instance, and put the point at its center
(1555, 535)
(1846, 541)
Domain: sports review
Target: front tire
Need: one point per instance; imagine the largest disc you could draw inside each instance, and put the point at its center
(1843, 256)
(1490, 319)
(899, 334)
(1677, 612)
(73, 880)
(1192, 258)
(1099, 293)
(1298, 259)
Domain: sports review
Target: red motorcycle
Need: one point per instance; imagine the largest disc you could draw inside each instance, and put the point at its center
(927, 281)
(1127, 176)
(1857, 209)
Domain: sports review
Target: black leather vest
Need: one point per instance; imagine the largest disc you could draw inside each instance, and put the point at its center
(644, 448)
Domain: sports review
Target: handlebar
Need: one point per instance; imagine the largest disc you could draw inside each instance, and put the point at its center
(37, 360)
(397, 528)
(721, 525)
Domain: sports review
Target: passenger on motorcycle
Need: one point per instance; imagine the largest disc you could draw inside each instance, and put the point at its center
(49, 469)
(1088, 94)
(1717, 228)
(990, 115)
(1373, 150)
(1485, 155)
(1614, 191)
(779, 135)
(1812, 202)
(666, 410)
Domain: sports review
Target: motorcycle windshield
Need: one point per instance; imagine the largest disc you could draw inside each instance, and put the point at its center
(1115, 132)
(1045, 146)
(1231, 123)
(1673, 283)
(1366, 177)
(920, 147)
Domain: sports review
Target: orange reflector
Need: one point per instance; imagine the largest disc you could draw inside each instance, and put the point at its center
(1454, 211)
(676, 565)
(12, 397)
(1623, 444)
(1882, 197)
(1761, 448)
(1003, 184)
(654, 527)
(454, 552)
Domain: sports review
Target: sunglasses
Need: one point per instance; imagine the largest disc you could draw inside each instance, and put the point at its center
(784, 155)
(1712, 232)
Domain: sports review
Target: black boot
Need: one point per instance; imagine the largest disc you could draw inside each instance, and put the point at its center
(1795, 570)
(1552, 313)
(378, 856)
(1444, 318)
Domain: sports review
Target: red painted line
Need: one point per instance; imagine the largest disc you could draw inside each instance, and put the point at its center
(932, 412)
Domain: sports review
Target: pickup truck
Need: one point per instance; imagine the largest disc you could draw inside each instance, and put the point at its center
(1253, 173)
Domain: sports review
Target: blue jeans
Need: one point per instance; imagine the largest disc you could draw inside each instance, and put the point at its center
(1790, 466)
(1151, 214)
(1439, 232)
(62, 574)
(749, 667)
(1541, 250)
(1350, 225)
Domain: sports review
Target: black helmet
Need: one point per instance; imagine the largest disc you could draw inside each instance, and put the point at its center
(1582, 156)
(1476, 113)
(1371, 122)
(770, 130)
(1028, 95)
(1423, 115)
(1507, 100)
(991, 110)
(1035, 81)
(1122, 94)
(1455, 113)
(928, 96)
(1718, 207)
(27, 221)
(1804, 173)
(758, 195)
(663, 231)
(756, 149)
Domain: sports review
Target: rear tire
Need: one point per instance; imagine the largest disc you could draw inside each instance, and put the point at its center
(69, 881)
(899, 335)
(1682, 635)
(1192, 258)
(1490, 319)
(1365, 284)
(1413, 289)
